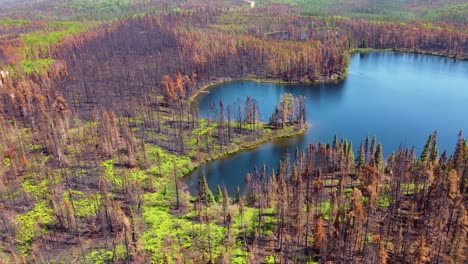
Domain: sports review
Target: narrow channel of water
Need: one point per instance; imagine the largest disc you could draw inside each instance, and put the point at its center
(398, 97)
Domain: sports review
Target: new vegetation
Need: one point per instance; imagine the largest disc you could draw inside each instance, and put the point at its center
(99, 121)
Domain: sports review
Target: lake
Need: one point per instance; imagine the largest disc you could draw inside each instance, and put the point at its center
(399, 97)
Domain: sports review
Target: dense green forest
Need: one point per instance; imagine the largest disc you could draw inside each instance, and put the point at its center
(98, 123)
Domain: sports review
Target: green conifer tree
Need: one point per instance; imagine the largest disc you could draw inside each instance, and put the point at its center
(434, 150)
(361, 156)
(238, 194)
(366, 150)
(219, 195)
(350, 154)
(335, 142)
(379, 157)
(373, 147)
(204, 192)
(426, 151)
(459, 151)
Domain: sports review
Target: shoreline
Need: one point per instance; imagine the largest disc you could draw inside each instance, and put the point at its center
(371, 50)
(235, 148)
(206, 88)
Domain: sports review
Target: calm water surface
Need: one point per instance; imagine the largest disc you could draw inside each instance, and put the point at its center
(398, 97)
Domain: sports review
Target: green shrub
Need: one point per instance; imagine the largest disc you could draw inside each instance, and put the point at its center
(30, 225)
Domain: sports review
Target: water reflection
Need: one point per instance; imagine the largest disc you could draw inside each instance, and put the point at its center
(398, 97)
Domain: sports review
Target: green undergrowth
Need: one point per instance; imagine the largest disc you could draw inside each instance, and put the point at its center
(55, 32)
(383, 201)
(325, 209)
(112, 174)
(104, 256)
(99, 256)
(30, 225)
(36, 66)
(410, 188)
(38, 188)
(85, 205)
(14, 22)
(165, 162)
(35, 47)
(168, 236)
(273, 259)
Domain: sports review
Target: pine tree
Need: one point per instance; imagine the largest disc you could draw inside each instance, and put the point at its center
(335, 142)
(219, 195)
(434, 149)
(459, 151)
(426, 151)
(225, 204)
(373, 147)
(391, 160)
(379, 157)
(435, 154)
(361, 156)
(204, 193)
(350, 154)
(238, 195)
(367, 149)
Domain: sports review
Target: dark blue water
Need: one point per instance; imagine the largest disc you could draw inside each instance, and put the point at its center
(398, 97)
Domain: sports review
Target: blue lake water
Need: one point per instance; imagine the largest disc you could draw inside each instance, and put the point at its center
(399, 97)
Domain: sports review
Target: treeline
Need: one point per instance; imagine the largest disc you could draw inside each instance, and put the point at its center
(415, 37)
(130, 58)
(330, 207)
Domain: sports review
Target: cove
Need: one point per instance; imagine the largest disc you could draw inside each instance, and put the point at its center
(399, 97)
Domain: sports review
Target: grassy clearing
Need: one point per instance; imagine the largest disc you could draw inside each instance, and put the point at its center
(38, 42)
(33, 50)
(36, 66)
(14, 23)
